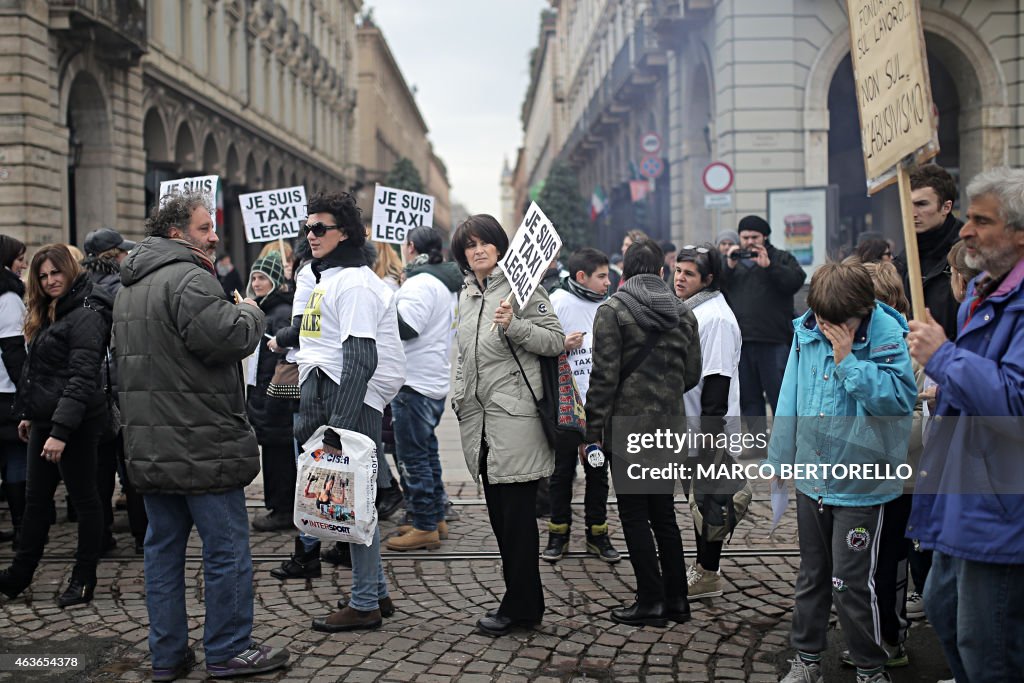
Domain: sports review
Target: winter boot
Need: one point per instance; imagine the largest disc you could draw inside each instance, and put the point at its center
(13, 581)
(558, 540)
(302, 564)
(599, 544)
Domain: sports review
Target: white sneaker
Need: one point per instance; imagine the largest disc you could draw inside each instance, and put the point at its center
(802, 672)
(915, 606)
(691, 573)
(880, 677)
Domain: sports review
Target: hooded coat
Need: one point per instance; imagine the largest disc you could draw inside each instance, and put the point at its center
(490, 397)
(61, 382)
(178, 345)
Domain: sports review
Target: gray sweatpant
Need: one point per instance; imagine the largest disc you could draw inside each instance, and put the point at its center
(838, 557)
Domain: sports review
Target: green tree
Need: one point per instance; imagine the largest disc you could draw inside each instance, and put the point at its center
(404, 176)
(561, 202)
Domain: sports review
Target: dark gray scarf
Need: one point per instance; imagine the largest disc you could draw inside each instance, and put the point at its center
(700, 297)
(651, 302)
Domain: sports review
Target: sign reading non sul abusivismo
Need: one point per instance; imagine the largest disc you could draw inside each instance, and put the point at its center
(274, 214)
(396, 212)
(894, 96)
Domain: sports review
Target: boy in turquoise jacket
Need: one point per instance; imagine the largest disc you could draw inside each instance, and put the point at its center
(845, 404)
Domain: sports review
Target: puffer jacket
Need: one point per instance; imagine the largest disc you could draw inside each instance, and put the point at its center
(969, 500)
(61, 382)
(489, 397)
(178, 345)
(271, 418)
(675, 361)
(856, 412)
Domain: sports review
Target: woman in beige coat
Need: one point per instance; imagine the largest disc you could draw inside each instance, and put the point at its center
(502, 436)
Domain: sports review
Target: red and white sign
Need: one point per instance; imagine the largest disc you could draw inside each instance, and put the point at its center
(650, 143)
(651, 166)
(717, 177)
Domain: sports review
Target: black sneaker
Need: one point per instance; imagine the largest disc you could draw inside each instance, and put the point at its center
(451, 513)
(557, 543)
(179, 670)
(601, 546)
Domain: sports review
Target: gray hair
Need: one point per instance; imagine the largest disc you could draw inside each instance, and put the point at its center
(175, 211)
(1006, 185)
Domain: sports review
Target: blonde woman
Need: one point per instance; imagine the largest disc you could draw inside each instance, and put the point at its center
(388, 266)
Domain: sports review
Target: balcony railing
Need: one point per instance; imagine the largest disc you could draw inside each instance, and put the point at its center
(118, 27)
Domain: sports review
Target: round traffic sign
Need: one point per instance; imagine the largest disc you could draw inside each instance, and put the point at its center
(650, 143)
(651, 166)
(717, 177)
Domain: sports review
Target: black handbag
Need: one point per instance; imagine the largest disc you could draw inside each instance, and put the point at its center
(112, 427)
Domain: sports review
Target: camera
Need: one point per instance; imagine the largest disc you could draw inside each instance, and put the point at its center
(742, 253)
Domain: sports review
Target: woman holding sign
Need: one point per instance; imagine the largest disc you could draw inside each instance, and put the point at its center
(502, 436)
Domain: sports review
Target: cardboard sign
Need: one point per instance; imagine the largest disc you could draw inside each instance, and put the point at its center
(532, 249)
(396, 212)
(207, 184)
(894, 97)
(274, 214)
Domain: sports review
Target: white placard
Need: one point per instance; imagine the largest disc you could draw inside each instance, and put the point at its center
(532, 249)
(205, 183)
(396, 212)
(273, 214)
(717, 201)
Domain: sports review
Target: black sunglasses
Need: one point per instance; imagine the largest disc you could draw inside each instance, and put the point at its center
(318, 229)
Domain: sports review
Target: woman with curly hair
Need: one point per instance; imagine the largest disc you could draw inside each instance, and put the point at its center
(63, 409)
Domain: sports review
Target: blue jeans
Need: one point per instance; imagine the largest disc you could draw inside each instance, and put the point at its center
(227, 572)
(977, 611)
(415, 418)
(13, 461)
(762, 366)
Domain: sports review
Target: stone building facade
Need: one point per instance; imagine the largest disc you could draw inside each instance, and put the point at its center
(390, 125)
(767, 88)
(105, 99)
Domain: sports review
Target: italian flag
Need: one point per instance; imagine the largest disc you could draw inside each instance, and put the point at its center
(598, 203)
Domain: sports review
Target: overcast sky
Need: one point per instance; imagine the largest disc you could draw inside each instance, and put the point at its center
(468, 60)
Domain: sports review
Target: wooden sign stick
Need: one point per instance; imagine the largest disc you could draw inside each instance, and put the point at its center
(910, 241)
(507, 299)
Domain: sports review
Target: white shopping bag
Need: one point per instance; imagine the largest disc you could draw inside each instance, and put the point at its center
(336, 487)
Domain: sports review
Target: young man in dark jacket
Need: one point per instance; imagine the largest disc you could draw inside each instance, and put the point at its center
(933, 193)
(189, 448)
(644, 340)
(760, 289)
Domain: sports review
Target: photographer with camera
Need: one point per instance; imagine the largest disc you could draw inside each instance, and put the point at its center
(760, 282)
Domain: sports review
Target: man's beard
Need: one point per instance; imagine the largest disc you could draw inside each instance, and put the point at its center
(995, 262)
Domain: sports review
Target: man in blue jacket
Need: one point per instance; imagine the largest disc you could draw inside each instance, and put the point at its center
(970, 507)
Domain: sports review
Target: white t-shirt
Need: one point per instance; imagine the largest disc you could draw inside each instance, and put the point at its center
(577, 315)
(428, 307)
(305, 280)
(720, 342)
(352, 302)
(12, 324)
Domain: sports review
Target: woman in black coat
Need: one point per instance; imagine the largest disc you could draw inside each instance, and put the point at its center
(12, 353)
(63, 410)
(272, 420)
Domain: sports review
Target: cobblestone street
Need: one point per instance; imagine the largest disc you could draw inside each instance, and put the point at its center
(741, 636)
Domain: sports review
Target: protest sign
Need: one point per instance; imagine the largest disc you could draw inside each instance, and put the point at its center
(274, 214)
(534, 245)
(206, 184)
(894, 97)
(396, 212)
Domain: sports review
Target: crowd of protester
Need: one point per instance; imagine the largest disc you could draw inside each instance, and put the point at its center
(123, 364)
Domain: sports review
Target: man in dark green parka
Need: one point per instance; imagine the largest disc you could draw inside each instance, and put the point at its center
(189, 448)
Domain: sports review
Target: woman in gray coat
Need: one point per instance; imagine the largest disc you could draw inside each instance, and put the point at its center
(502, 436)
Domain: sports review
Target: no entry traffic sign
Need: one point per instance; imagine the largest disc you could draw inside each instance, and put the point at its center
(717, 177)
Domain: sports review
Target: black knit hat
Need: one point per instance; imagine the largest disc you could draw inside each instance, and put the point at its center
(755, 223)
(332, 439)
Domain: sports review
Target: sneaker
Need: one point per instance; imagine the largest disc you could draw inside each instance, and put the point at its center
(599, 544)
(257, 659)
(900, 658)
(558, 539)
(179, 670)
(877, 677)
(703, 584)
(451, 514)
(803, 672)
(691, 574)
(915, 606)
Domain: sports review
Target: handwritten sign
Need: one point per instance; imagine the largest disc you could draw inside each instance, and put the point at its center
(890, 71)
(534, 245)
(274, 214)
(206, 184)
(396, 212)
